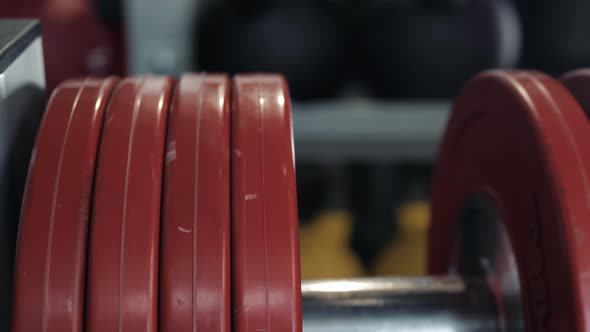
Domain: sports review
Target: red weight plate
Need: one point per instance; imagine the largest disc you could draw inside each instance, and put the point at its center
(125, 227)
(51, 258)
(265, 248)
(578, 83)
(195, 280)
(521, 138)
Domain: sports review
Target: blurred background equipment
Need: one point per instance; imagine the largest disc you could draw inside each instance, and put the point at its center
(325, 249)
(555, 34)
(298, 38)
(77, 40)
(418, 51)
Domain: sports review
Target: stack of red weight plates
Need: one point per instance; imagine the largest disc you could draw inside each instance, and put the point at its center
(152, 202)
(131, 193)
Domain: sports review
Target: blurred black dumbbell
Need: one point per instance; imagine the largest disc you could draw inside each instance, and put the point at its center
(427, 49)
(301, 39)
(110, 12)
(556, 34)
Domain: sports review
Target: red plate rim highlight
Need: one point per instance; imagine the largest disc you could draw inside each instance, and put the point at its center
(51, 260)
(265, 247)
(124, 243)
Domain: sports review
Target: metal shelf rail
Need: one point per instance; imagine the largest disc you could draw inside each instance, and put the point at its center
(368, 130)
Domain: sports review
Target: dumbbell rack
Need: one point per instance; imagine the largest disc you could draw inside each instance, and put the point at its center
(159, 203)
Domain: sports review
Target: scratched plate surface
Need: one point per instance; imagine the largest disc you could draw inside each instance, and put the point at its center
(194, 277)
(265, 247)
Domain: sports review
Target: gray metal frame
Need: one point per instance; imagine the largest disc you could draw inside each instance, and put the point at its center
(22, 95)
(369, 131)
